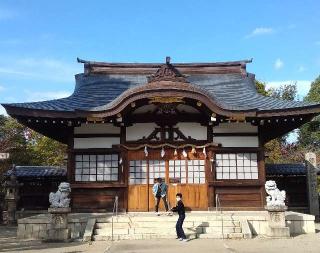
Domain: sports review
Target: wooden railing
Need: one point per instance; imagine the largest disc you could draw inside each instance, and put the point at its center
(219, 211)
(114, 213)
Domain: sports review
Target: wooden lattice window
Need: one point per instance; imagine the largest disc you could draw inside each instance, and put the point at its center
(177, 171)
(196, 172)
(237, 166)
(157, 169)
(138, 172)
(97, 167)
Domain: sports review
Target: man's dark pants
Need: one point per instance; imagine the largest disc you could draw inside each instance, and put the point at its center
(164, 201)
(179, 229)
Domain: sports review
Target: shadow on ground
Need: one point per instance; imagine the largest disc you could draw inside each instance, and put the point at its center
(9, 242)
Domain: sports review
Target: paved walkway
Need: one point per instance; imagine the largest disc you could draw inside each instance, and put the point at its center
(304, 243)
(9, 243)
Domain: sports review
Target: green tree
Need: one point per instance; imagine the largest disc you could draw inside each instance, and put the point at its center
(27, 147)
(309, 133)
(45, 151)
(278, 150)
(284, 92)
(261, 88)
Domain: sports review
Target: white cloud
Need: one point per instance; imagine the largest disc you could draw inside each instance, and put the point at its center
(41, 69)
(292, 137)
(45, 95)
(2, 111)
(301, 68)
(2, 88)
(278, 64)
(260, 31)
(303, 86)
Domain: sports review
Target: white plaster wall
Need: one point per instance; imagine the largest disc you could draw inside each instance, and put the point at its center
(139, 130)
(237, 141)
(235, 128)
(195, 130)
(95, 142)
(97, 129)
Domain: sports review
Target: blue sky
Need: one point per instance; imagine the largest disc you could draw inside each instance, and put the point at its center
(40, 40)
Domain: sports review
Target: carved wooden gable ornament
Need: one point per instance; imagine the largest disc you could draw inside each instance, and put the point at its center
(167, 72)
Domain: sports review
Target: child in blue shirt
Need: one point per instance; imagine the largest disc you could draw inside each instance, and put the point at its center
(159, 191)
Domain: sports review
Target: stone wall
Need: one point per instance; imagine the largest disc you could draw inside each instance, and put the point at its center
(36, 227)
(297, 222)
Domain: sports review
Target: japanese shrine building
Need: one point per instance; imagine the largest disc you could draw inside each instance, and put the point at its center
(199, 126)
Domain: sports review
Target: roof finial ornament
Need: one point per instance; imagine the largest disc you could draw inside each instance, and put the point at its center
(167, 72)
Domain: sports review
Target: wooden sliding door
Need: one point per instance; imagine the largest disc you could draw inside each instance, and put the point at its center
(184, 175)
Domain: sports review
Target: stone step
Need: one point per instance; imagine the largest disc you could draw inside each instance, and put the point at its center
(122, 231)
(162, 224)
(122, 218)
(216, 223)
(212, 230)
(151, 224)
(219, 236)
(186, 223)
(161, 230)
(108, 231)
(115, 225)
(152, 217)
(140, 236)
(175, 217)
(165, 230)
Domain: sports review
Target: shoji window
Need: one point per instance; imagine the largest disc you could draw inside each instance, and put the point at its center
(138, 172)
(177, 171)
(97, 167)
(196, 172)
(236, 166)
(157, 168)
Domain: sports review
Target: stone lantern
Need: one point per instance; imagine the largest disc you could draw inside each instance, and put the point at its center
(11, 198)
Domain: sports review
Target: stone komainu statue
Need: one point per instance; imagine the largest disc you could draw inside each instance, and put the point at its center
(276, 197)
(60, 198)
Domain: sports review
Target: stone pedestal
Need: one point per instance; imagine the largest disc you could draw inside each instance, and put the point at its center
(58, 230)
(277, 222)
(313, 197)
(11, 211)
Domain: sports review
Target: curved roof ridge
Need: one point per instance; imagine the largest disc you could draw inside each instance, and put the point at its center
(157, 65)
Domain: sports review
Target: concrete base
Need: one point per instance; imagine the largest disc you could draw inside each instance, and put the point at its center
(278, 232)
(59, 210)
(277, 222)
(58, 235)
(36, 227)
(58, 230)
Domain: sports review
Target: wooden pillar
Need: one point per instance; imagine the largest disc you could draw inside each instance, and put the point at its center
(71, 160)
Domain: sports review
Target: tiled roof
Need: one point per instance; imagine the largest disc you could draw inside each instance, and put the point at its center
(51, 171)
(285, 169)
(38, 171)
(229, 91)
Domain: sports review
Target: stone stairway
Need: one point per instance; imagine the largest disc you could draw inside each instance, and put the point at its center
(149, 226)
